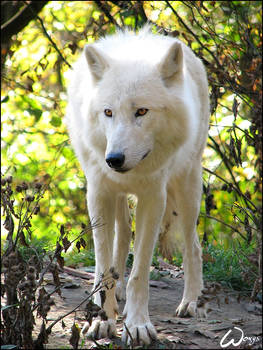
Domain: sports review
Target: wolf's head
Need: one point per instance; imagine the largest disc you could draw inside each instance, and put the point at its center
(134, 102)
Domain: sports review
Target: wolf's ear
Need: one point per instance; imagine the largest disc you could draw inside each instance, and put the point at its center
(97, 61)
(172, 63)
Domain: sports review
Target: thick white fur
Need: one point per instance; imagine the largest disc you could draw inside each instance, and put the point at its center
(123, 73)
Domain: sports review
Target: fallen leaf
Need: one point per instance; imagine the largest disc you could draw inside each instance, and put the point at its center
(173, 338)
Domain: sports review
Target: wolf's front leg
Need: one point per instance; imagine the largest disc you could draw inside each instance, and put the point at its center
(149, 213)
(102, 213)
(121, 243)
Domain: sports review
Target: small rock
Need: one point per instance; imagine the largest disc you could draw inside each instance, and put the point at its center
(255, 308)
(158, 284)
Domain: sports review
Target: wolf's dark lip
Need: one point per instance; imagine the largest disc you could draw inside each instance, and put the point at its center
(120, 170)
(146, 154)
(124, 170)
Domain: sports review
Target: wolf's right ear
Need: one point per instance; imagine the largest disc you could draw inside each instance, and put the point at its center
(97, 61)
(172, 63)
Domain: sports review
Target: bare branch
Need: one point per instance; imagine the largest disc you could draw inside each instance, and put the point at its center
(224, 223)
(105, 10)
(21, 19)
(52, 42)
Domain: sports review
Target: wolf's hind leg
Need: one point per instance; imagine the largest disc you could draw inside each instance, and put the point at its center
(169, 239)
(189, 190)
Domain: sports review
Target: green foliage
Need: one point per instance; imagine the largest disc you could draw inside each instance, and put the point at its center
(155, 261)
(230, 267)
(178, 259)
(155, 275)
(85, 257)
(36, 247)
(129, 261)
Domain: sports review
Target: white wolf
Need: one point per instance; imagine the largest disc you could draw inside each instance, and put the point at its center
(137, 115)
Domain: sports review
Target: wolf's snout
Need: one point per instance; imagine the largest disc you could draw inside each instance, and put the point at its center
(115, 160)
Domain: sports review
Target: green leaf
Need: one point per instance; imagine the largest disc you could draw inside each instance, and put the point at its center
(36, 112)
(33, 103)
(5, 99)
(67, 153)
(55, 121)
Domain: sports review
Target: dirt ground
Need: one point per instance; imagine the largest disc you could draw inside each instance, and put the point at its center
(230, 313)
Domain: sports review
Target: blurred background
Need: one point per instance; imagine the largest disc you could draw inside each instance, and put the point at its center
(42, 39)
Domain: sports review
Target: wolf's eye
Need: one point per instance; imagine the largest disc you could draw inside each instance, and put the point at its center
(108, 112)
(140, 112)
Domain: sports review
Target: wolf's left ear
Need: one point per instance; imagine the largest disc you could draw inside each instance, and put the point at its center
(172, 63)
(97, 61)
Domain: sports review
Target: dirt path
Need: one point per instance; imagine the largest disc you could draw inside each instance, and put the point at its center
(227, 312)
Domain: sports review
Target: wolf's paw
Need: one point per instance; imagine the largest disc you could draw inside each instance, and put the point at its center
(191, 308)
(100, 329)
(138, 335)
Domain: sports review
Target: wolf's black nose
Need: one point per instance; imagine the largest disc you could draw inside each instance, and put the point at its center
(115, 160)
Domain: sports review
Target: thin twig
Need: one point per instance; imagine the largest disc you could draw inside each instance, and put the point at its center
(87, 229)
(49, 294)
(193, 34)
(232, 186)
(226, 76)
(49, 38)
(224, 223)
(226, 162)
(68, 313)
(105, 10)
(52, 42)
(95, 290)
(15, 17)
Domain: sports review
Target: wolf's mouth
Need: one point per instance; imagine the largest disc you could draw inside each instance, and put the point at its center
(124, 170)
(120, 170)
(146, 154)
